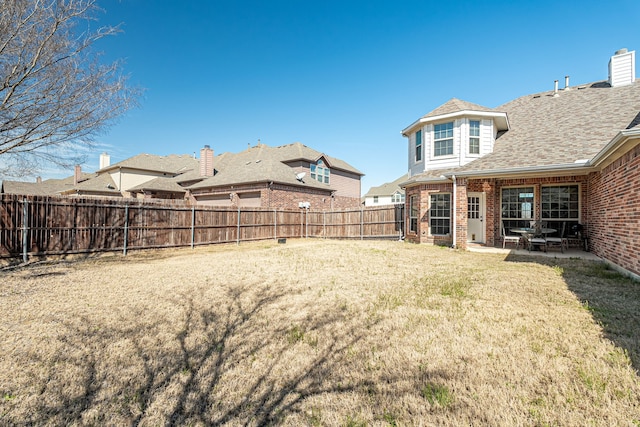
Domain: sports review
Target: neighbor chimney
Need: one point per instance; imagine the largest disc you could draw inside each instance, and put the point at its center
(38, 180)
(77, 174)
(105, 160)
(622, 68)
(566, 82)
(206, 161)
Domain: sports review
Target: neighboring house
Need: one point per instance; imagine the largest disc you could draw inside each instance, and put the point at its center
(261, 176)
(121, 178)
(389, 193)
(44, 187)
(568, 156)
(279, 177)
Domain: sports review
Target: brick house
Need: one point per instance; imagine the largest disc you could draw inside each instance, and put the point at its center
(262, 176)
(569, 157)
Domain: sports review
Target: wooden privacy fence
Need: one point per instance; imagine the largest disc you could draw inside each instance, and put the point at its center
(47, 225)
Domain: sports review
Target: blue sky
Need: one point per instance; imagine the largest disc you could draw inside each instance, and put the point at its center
(343, 77)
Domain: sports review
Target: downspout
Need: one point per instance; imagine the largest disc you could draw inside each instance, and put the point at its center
(453, 245)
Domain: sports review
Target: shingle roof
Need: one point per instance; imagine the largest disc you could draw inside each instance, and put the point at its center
(388, 188)
(549, 130)
(263, 163)
(436, 175)
(101, 184)
(454, 105)
(172, 163)
(44, 188)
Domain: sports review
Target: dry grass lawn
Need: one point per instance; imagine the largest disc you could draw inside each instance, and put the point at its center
(336, 333)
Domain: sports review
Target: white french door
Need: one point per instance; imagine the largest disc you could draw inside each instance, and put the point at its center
(475, 217)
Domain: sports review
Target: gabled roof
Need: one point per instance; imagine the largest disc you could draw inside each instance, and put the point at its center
(263, 163)
(388, 188)
(242, 171)
(171, 164)
(170, 185)
(297, 151)
(453, 106)
(98, 185)
(456, 108)
(45, 188)
(563, 131)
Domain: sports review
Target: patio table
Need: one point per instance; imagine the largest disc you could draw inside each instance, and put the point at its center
(529, 232)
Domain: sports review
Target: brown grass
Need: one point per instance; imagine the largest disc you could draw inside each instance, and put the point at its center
(319, 333)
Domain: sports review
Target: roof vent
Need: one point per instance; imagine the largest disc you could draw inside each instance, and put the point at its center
(555, 88)
(622, 68)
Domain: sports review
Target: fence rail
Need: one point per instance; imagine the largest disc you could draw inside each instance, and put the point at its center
(48, 225)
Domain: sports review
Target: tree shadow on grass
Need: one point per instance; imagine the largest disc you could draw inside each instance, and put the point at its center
(612, 299)
(209, 364)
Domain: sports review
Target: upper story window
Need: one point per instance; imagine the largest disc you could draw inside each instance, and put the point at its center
(397, 198)
(474, 137)
(375, 199)
(419, 145)
(320, 172)
(443, 139)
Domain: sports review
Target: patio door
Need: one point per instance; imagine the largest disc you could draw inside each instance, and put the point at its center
(475, 217)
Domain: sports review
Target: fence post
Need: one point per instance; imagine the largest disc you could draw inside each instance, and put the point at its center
(361, 224)
(324, 224)
(275, 224)
(238, 230)
(193, 226)
(126, 229)
(306, 223)
(25, 229)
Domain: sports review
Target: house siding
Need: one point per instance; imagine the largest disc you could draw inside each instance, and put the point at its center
(614, 212)
(460, 154)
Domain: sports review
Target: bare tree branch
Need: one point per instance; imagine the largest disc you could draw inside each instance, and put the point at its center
(54, 92)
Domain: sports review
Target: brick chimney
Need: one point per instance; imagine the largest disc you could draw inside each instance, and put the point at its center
(206, 161)
(622, 68)
(77, 174)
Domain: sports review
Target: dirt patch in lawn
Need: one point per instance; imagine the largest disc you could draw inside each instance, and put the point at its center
(319, 333)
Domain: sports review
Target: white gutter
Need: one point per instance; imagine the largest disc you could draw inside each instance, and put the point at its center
(585, 165)
(496, 116)
(615, 143)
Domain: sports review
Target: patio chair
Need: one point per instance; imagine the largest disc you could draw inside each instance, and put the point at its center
(536, 239)
(509, 238)
(561, 240)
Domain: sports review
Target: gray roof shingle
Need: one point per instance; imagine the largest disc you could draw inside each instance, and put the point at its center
(549, 130)
(388, 188)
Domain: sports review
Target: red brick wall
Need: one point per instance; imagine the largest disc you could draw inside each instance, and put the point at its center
(492, 187)
(614, 211)
(286, 197)
(423, 234)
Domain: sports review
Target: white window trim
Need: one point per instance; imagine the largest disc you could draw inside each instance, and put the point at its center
(479, 137)
(438, 217)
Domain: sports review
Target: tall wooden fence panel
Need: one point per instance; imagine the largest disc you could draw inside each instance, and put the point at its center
(38, 225)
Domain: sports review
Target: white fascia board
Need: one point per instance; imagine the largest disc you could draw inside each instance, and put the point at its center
(618, 141)
(572, 168)
(500, 118)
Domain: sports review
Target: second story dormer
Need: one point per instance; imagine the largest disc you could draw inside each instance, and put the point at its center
(452, 135)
